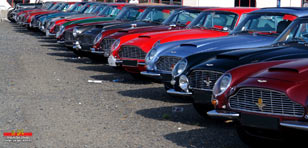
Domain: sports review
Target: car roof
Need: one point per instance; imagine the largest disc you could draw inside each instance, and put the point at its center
(238, 10)
(297, 11)
(195, 8)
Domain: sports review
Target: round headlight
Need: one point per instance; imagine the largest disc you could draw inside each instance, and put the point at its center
(222, 84)
(75, 32)
(115, 45)
(60, 32)
(179, 68)
(183, 83)
(98, 38)
(150, 55)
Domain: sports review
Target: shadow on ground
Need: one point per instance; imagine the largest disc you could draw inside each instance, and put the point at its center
(157, 93)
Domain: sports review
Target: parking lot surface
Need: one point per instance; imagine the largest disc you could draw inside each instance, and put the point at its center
(45, 90)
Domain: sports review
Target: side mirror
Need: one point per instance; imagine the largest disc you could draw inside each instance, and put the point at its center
(187, 23)
(172, 25)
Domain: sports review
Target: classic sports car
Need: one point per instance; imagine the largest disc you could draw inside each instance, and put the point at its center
(20, 15)
(177, 20)
(268, 99)
(71, 10)
(109, 15)
(56, 8)
(11, 15)
(200, 79)
(89, 10)
(211, 23)
(259, 28)
(152, 16)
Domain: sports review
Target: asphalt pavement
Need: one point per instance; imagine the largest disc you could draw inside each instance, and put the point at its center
(45, 90)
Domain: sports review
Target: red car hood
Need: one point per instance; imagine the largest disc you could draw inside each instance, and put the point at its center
(294, 71)
(146, 41)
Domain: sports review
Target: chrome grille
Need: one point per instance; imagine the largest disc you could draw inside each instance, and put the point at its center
(68, 36)
(166, 63)
(132, 52)
(276, 103)
(203, 79)
(106, 45)
(85, 39)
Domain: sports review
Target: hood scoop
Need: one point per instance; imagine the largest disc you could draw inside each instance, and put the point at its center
(125, 31)
(144, 36)
(227, 56)
(297, 66)
(191, 45)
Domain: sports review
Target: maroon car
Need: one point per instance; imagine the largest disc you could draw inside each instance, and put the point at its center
(269, 99)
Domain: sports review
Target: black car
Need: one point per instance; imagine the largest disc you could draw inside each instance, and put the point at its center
(291, 44)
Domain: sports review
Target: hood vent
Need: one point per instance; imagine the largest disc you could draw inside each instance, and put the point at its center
(279, 69)
(192, 45)
(144, 36)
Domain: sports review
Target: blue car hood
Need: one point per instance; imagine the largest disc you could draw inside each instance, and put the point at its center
(221, 43)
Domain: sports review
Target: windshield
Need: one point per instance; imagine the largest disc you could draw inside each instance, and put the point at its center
(155, 15)
(98, 9)
(56, 6)
(215, 20)
(266, 24)
(90, 9)
(297, 32)
(83, 8)
(181, 17)
(110, 11)
(63, 7)
(48, 6)
(129, 13)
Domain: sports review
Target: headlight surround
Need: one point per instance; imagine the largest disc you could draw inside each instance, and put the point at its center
(61, 31)
(183, 83)
(115, 45)
(222, 84)
(150, 55)
(179, 68)
(98, 38)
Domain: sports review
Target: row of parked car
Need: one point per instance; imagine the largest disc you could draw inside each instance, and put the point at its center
(245, 64)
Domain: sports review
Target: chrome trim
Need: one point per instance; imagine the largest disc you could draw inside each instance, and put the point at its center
(223, 114)
(60, 42)
(152, 74)
(195, 79)
(174, 92)
(262, 112)
(141, 64)
(295, 124)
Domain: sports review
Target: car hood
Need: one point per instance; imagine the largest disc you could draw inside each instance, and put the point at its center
(294, 71)
(236, 58)
(129, 25)
(221, 43)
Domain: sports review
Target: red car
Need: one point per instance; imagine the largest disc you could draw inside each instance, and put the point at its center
(46, 6)
(63, 22)
(173, 22)
(268, 97)
(56, 8)
(211, 23)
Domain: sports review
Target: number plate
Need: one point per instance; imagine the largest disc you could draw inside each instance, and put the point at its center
(259, 121)
(130, 63)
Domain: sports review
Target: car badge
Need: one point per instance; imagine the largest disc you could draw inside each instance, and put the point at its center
(209, 64)
(173, 51)
(207, 81)
(262, 81)
(172, 66)
(260, 104)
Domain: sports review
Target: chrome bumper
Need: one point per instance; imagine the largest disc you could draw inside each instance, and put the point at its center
(174, 92)
(151, 74)
(295, 124)
(48, 34)
(96, 52)
(60, 42)
(223, 114)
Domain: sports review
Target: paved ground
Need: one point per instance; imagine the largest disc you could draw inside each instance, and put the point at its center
(44, 89)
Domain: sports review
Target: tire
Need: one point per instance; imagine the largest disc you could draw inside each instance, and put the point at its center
(202, 109)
